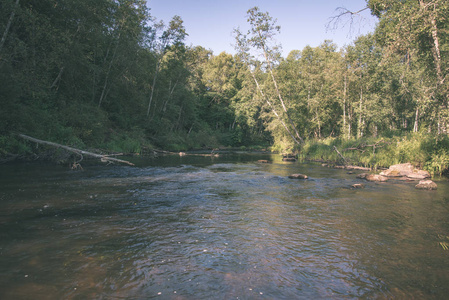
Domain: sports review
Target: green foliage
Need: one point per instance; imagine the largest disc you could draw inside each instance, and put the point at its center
(439, 162)
(203, 138)
(10, 144)
(103, 74)
(420, 149)
(437, 150)
(123, 142)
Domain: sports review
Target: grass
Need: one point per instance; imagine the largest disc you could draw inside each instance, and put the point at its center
(423, 150)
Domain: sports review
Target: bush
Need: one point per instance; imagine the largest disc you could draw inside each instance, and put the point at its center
(420, 149)
(438, 163)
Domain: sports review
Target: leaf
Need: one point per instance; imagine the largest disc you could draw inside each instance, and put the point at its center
(444, 245)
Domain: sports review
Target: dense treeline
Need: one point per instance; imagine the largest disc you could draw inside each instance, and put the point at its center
(106, 74)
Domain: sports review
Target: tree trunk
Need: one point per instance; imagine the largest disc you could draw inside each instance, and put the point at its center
(170, 93)
(272, 107)
(8, 25)
(104, 158)
(103, 92)
(57, 78)
(360, 131)
(436, 44)
(179, 117)
(344, 107)
(415, 126)
(280, 96)
(152, 87)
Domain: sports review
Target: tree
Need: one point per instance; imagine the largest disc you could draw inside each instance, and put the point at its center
(418, 30)
(263, 29)
(173, 34)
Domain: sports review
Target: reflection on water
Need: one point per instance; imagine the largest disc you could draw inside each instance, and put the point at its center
(227, 228)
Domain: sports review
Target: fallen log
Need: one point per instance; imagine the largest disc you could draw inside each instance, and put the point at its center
(103, 158)
(343, 158)
(361, 148)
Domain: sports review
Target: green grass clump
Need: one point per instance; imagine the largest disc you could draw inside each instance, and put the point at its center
(420, 149)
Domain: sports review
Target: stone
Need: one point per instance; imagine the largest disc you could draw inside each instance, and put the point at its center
(298, 176)
(358, 186)
(422, 172)
(362, 175)
(426, 185)
(358, 168)
(416, 176)
(376, 177)
(407, 169)
(391, 173)
(263, 161)
(289, 159)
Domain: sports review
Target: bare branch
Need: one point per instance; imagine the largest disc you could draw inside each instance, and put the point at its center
(345, 17)
(11, 17)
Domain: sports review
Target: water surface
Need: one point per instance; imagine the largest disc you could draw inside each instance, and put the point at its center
(218, 228)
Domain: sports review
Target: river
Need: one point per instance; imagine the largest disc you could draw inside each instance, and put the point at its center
(223, 227)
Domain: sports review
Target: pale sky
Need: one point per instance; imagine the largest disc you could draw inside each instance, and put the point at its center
(210, 23)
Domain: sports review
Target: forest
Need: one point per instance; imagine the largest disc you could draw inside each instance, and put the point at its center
(107, 75)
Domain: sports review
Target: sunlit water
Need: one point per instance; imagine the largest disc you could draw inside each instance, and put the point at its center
(218, 228)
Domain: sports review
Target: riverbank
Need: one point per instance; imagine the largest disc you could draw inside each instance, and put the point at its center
(426, 152)
(23, 148)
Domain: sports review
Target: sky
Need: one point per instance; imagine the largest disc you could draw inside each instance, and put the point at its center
(210, 23)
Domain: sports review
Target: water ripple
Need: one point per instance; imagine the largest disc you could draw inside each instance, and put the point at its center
(220, 231)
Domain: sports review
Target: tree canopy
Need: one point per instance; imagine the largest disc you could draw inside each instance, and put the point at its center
(108, 74)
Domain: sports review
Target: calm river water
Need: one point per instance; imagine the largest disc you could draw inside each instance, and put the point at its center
(226, 227)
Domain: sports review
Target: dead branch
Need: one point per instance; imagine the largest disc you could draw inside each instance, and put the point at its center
(103, 158)
(344, 17)
(362, 147)
(344, 159)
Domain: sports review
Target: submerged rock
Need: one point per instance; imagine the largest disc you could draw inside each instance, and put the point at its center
(298, 176)
(358, 186)
(426, 185)
(376, 177)
(263, 161)
(288, 159)
(358, 168)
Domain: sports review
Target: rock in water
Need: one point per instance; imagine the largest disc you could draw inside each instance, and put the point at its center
(298, 176)
(376, 177)
(289, 159)
(416, 176)
(407, 170)
(426, 185)
(358, 186)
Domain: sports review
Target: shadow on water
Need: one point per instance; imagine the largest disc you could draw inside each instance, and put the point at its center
(218, 227)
